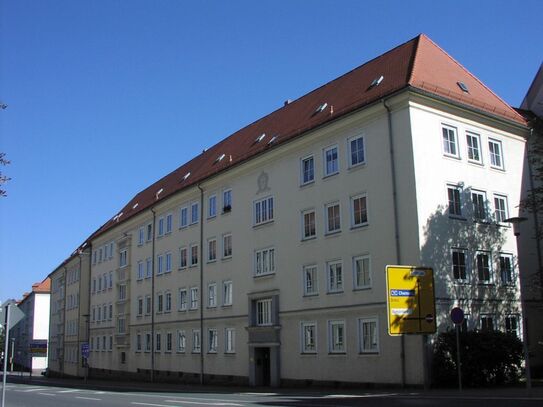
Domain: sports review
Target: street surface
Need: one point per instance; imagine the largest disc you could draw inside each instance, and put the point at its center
(29, 395)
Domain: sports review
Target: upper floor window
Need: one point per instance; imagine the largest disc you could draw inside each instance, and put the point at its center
(183, 217)
(196, 341)
(459, 264)
(359, 209)
(182, 299)
(487, 323)
(160, 264)
(212, 338)
(194, 213)
(331, 161)
(310, 280)
(309, 337)
(160, 227)
(141, 236)
(123, 258)
(334, 271)
(336, 336)
(212, 295)
(478, 199)
(473, 142)
(168, 262)
(506, 268)
(148, 267)
(333, 219)
(308, 224)
(229, 340)
(227, 293)
(149, 232)
(194, 298)
(455, 204)
(308, 170)
(211, 250)
(140, 270)
(263, 210)
(194, 255)
(362, 274)
(182, 257)
(168, 305)
(483, 267)
(356, 151)
(227, 246)
(265, 261)
(264, 312)
(495, 151)
(500, 208)
(369, 335)
(169, 223)
(227, 200)
(212, 206)
(450, 146)
(512, 325)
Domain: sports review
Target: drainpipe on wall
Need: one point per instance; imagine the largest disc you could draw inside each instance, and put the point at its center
(89, 306)
(63, 325)
(395, 209)
(153, 298)
(201, 284)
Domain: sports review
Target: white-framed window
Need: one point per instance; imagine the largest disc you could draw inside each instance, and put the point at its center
(229, 340)
(138, 342)
(512, 325)
(147, 305)
(455, 202)
(264, 312)
(182, 257)
(123, 258)
(450, 142)
(459, 266)
(196, 344)
(111, 250)
(194, 213)
(140, 270)
(263, 210)
(212, 206)
(141, 236)
(336, 336)
(361, 272)
(212, 295)
(486, 322)
(160, 264)
(227, 245)
(227, 293)
(158, 342)
(100, 253)
(307, 165)
(309, 337)
(100, 284)
(495, 151)
(310, 280)
(484, 270)
(265, 261)
(193, 255)
(473, 142)
(182, 299)
(506, 268)
(168, 301)
(168, 257)
(333, 217)
(359, 210)
(308, 224)
(331, 161)
(212, 340)
(148, 267)
(121, 325)
(368, 334)
(147, 342)
(169, 223)
(140, 306)
(212, 250)
(334, 272)
(168, 341)
(160, 302)
(183, 217)
(500, 208)
(478, 199)
(194, 298)
(122, 292)
(357, 154)
(110, 282)
(110, 316)
(149, 232)
(181, 341)
(160, 226)
(226, 200)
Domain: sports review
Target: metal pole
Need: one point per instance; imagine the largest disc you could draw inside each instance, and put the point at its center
(458, 362)
(6, 346)
(12, 353)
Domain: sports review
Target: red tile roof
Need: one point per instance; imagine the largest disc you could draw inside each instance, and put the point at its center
(418, 64)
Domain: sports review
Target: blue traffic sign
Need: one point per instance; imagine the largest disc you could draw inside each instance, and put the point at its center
(457, 315)
(85, 350)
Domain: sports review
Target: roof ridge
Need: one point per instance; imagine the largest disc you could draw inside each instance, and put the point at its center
(470, 74)
(414, 59)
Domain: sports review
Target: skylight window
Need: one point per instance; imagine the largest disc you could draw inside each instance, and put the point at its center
(186, 176)
(321, 108)
(220, 158)
(159, 192)
(463, 86)
(135, 205)
(260, 138)
(377, 81)
(272, 140)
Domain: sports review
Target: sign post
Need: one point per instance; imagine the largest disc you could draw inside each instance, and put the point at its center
(457, 316)
(85, 351)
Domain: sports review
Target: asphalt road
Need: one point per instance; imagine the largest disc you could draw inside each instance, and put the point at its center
(28, 395)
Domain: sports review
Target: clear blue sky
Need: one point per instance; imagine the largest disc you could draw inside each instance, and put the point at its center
(105, 97)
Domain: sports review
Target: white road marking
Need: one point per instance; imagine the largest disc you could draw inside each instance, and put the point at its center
(207, 403)
(149, 404)
(29, 390)
(69, 391)
(47, 394)
(87, 398)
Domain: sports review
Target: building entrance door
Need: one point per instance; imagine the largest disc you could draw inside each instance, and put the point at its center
(262, 361)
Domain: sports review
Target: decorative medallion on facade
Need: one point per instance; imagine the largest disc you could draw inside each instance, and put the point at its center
(262, 183)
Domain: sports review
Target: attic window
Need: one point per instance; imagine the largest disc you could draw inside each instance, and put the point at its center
(463, 86)
(260, 138)
(272, 140)
(186, 176)
(220, 158)
(135, 205)
(321, 108)
(377, 81)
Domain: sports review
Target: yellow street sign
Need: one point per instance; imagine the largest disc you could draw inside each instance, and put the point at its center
(410, 300)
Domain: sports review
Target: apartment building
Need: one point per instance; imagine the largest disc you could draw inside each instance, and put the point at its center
(262, 260)
(30, 334)
(69, 314)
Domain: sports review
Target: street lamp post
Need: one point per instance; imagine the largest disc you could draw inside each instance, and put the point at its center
(515, 221)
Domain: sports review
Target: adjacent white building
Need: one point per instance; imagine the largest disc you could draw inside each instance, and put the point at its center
(262, 260)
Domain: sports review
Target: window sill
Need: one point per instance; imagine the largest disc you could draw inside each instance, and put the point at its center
(376, 353)
(212, 352)
(182, 268)
(308, 239)
(264, 275)
(335, 292)
(211, 307)
(363, 288)
(230, 354)
(226, 306)
(458, 217)
(333, 233)
(485, 284)
(337, 353)
(310, 295)
(308, 353)
(307, 184)
(476, 163)
(357, 166)
(181, 352)
(454, 157)
(211, 261)
(327, 176)
(226, 258)
(500, 169)
(182, 310)
(361, 226)
(262, 224)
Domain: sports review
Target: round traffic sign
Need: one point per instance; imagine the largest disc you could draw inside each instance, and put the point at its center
(457, 315)
(429, 318)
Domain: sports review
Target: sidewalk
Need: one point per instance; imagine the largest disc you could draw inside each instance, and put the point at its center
(127, 386)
